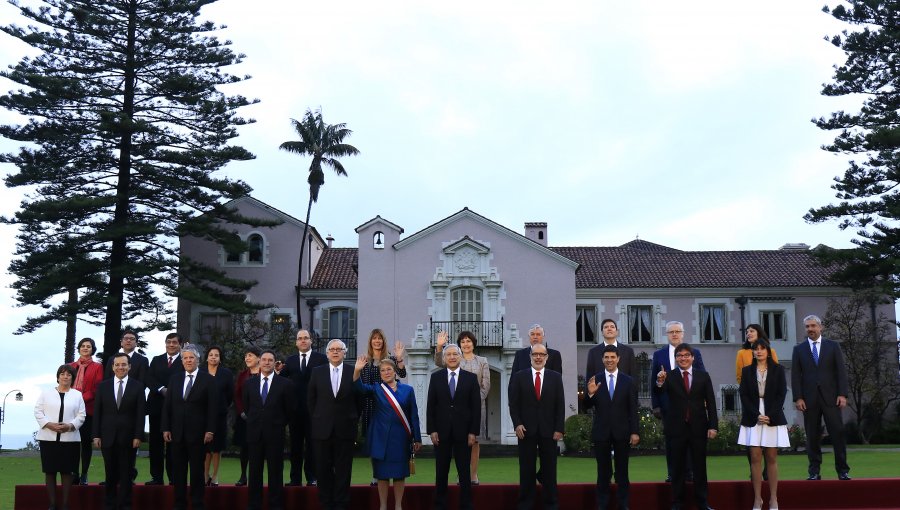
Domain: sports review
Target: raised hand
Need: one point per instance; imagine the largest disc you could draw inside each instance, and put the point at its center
(399, 350)
(592, 386)
(441, 340)
(361, 361)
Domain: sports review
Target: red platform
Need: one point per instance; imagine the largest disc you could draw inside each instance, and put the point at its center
(871, 494)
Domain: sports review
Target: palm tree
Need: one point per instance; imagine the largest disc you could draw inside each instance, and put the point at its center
(324, 142)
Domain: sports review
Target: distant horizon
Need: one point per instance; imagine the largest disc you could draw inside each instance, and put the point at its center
(15, 441)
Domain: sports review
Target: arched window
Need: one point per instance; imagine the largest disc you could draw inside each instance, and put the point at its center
(378, 240)
(256, 244)
(466, 304)
(541, 235)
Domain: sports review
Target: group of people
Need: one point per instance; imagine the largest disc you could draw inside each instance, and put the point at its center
(322, 400)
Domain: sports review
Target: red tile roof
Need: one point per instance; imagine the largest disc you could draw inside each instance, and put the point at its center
(336, 269)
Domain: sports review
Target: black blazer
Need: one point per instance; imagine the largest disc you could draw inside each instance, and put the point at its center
(701, 401)
(138, 370)
(776, 391)
(543, 417)
(119, 426)
(268, 419)
(453, 418)
(829, 377)
(658, 397)
(292, 371)
(595, 361)
(615, 418)
(158, 375)
(332, 416)
(522, 360)
(188, 420)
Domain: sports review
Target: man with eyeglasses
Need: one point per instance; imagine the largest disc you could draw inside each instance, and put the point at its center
(664, 359)
(334, 413)
(691, 421)
(537, 406)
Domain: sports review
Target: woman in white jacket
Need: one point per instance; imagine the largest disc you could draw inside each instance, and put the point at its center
(60, 412)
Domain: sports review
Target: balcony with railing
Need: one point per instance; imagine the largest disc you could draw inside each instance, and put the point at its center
(488, 333)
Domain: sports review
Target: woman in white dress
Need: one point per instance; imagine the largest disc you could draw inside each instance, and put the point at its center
(763, 423)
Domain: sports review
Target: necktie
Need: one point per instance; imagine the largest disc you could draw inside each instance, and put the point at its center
(265, 389)
(612, 386)
(687, 389)
(303, 363)
(537, 385)
(170, 361)
(816, 352)
(334, 381)
(452, 385)
(119, 394)
(190, 384)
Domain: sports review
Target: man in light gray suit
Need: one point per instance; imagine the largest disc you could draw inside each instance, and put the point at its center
(819, 381)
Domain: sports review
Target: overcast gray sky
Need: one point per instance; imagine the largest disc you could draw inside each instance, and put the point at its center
(686, 124)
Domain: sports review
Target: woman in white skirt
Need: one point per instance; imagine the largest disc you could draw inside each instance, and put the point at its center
(763, 424)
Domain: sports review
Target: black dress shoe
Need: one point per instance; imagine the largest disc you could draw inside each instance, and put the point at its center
(294, 484)
(814, 476)
(312, 483)
(241, 482)
(153, 481)
(844, 476)
(668, 479)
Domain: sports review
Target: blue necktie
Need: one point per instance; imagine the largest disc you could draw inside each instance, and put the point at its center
(452, 385)
(816, 353)
(612, 386)
(265, 390)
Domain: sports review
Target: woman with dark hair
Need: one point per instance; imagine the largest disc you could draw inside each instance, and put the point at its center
(60, 413)
(745, 355)
(251, 359)
(224, 380)
(377, 351)
(88, 374)
(479, 366)
(393, 428)
(763, 423)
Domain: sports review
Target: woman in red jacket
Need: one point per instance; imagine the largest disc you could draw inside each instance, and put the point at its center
(88, 375)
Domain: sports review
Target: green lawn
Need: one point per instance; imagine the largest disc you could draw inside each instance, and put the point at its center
(18, 470)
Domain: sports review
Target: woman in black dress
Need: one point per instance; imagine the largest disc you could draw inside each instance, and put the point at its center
(60, 412)
(224, 380)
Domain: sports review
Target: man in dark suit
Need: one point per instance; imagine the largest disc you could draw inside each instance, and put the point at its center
(268, 401)
(139, 363)
(820, 385)
(188, 424)
(613, 394)
(522, 361)
(664, 359)
(118, 430)
(610, 332)
(334, 412)
(453, 419)
(298, 368)
(162, 368)
(691, 421)
(537, 408)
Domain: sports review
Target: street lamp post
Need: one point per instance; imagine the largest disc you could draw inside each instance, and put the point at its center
(19, 397)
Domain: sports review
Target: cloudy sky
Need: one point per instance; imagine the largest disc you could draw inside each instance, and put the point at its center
(686, 124)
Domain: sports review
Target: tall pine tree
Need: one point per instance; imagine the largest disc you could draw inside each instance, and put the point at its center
(869, 190)
(126, 128)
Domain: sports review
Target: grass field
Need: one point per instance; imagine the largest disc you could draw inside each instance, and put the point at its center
(866, 463)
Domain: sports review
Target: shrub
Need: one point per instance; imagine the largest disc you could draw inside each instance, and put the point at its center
(726, 437)
(578, 433)
(651, 431)
(797, 436)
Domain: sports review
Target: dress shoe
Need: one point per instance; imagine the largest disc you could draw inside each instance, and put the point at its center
(668, 479)
(312, 483)
(294, 484)
(241, 482)
(844, 476)
(814, 476)
(153, 481)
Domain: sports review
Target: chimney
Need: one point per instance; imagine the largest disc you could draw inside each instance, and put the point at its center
(537, 232)
(795, 247)
(330, 240)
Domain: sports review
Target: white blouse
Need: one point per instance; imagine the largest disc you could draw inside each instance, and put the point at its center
(46, 410)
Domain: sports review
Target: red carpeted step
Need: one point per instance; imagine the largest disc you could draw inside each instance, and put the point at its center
(868, 494)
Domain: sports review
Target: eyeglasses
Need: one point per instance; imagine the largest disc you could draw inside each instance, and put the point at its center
(684, 355)
(679, 331)
(538, 355)
(336, 349)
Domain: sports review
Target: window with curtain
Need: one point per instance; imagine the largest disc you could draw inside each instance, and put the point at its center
(466, 304)
(773, 323)
(586, 324)
(640, 323)
(256, 243)
(338, 322)
(712, 323)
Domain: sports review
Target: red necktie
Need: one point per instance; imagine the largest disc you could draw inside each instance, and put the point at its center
(537, 385)
(687, 389)
(170, 361)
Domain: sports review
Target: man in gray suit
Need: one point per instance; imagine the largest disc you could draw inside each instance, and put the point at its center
(819, 381)
(610, 332)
